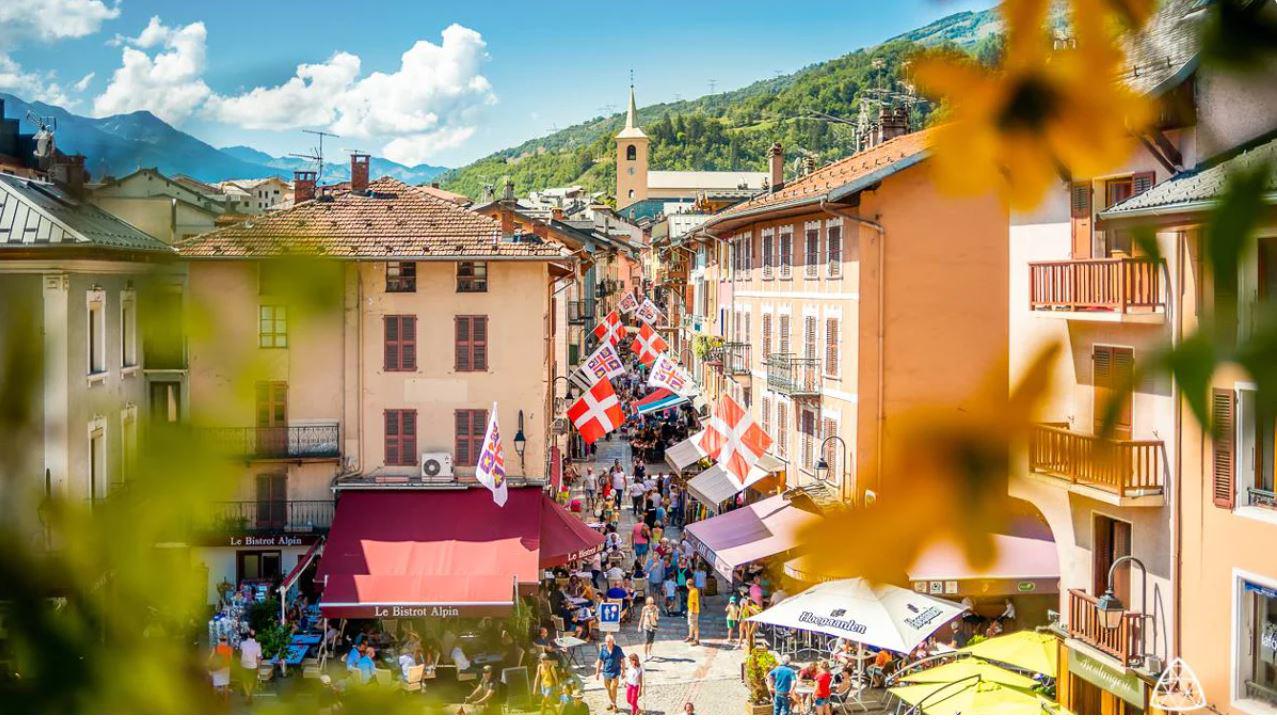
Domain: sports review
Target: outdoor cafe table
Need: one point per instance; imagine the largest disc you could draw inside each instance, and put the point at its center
(307, 640)
(570, 645)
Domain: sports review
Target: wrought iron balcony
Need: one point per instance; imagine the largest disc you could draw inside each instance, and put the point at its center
(291, 442)
(791, 375)
(1114, 285)
(1125, 468)
(735, 358)
(1122, 643)
(581, 312)
(247, 516)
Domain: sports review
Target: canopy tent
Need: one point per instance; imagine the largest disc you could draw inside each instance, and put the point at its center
(714, 486)
(441, 553)
(564, 537)
(763, 529)
(883, 616)
(1024, 561)
(969, 668)
(661, 399)
(684, 453)
(1037, 652)
(975, 697)
(806, 568)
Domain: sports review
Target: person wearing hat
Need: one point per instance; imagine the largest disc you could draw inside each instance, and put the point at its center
(576, 704)
(483, 695)
(733, 620)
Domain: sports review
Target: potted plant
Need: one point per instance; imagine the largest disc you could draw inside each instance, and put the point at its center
(758, 664)
(274, 640)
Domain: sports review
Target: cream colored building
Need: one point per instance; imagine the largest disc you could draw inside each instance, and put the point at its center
(367, 354)
(263, 193)
(160, 206)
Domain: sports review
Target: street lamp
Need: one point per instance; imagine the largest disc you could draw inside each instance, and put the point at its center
(822, 467)
(559, 401)
(1110, 607)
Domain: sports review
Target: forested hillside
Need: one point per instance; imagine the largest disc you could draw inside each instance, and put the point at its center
(733, 130)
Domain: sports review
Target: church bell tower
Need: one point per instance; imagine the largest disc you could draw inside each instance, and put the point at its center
(631, 159)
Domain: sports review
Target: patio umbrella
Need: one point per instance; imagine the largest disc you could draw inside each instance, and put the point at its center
(969, 668)
(978, 697)
(805, 569)
(883, 616)
(1034, 651)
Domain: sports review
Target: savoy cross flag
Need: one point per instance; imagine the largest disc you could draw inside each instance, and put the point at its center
(648, 345)
(490, 470)
(648, 312)
(667, 374)
(597, 412)
(743, 442)
(611, 330)
(627, 304)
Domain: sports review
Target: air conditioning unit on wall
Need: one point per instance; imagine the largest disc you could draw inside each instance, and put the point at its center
(436, 466)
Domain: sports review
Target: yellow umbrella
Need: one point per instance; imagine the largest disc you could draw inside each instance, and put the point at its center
(975, 698)
(969, 668)
(1036, 652)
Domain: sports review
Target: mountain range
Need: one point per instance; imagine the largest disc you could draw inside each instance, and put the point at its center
(116, 145)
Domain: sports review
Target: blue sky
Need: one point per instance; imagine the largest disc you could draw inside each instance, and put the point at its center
(509, 72)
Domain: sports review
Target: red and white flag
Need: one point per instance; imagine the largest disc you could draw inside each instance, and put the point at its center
(648, 345)
(648, 312)
(628, 304)
(597, 412)
(611, 330)
(667, 374)
(734, 440)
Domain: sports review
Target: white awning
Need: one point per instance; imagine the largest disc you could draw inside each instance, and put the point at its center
(714, 485)
(685, 453)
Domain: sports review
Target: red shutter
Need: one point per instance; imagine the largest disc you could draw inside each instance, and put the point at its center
(1080, 207)
(392, 437)
(391, 323)
(1123, 382)
(463, 343)
(831, 347)
(1101, 383)
(479, 334)
(461, 438)
(408, 343)
(1142, 182)
(1223, 485)
(809, 336)
(408, 438)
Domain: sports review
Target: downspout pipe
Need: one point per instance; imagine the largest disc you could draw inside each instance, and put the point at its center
(882, 331)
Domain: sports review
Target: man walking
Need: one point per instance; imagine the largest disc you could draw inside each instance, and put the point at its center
(781, 682)
(609, 665)
(693, 613)
(250, 656)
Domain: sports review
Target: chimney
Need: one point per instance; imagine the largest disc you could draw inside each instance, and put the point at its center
(68, 171)
(508, 197)
(303, 186)
(556, 213)
(776, 157)
(893, 122)
(358, 172)
(434, 185)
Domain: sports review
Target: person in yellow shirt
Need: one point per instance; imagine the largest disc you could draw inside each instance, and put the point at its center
(693, 613)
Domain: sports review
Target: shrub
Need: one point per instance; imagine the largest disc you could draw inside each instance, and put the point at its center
(757, 665)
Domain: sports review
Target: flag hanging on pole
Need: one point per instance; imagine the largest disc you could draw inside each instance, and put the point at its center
(627, 303)
(744, 443)
(648, 312)
(602, 363)
(611, 329)
(648, 345)
(667, 374)
(597, 412)
(490, 470)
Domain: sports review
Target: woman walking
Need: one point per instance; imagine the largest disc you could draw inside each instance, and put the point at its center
(634, 684)
(649, 620)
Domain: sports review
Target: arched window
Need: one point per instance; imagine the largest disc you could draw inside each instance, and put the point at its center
(631, 194)
(631, 153)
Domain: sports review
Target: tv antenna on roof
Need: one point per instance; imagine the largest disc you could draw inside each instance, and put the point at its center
(317, 153)
(44, 134)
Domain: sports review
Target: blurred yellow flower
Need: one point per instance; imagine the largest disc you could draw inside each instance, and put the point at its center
(1044, 113)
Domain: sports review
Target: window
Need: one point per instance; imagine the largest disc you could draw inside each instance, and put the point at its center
(128, 443)
(784, 335)
(1258, 663)
(786, 252)
(1113, 369)
(401, 343)
(472, 276)
(272, 331)
(782, 431)
(1255, 439)
(97, 460)
(257, 565)
(631, 152)
(1112, 541)
(809, 336)
(272, 419)
(769, 257)
(767, 415)
(401, 437)
(1080, 212)
(833, 248)
(831, 347)
(766, 335)
(96, 304)
(128, 329)
(470, 428)
(631, 194)
(808, 430)
(166, 401)
(811, 248)
(401, 277)
(272, 501)
(472, 343)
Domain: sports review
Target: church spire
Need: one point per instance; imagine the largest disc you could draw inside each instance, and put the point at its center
(631, 117)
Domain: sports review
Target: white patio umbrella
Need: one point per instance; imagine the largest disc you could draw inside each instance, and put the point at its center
(884, 616)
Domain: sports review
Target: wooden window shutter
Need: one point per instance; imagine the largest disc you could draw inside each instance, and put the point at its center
(1101, 382)
(1142, 182)
(408, 438)
(392, 437)
(831, 347)
(784, 334)
(1080, 210)
(408, 342)
(461, 438)
(767, 334)
(463, 343)
(767, 415)
(1224, 483)
(479, 331)
(1123, 376)
(391, 323)
(809, 336)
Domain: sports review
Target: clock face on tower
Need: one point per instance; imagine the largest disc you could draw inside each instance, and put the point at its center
(630, 170)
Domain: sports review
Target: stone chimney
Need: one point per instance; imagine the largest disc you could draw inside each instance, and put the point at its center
(68, 171)
(358, 172)
(303, 185)
(776, 159)
(892, 123)
(556, 213)
(508, 195)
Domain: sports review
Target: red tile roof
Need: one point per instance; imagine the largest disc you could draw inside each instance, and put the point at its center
(392, 219)
(817, 185)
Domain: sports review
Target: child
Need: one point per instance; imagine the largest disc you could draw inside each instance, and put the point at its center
(658, 533)
(733, 617)
(669, 588)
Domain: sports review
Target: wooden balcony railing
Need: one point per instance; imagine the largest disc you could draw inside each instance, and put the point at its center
(1099, 285)
(1122, 642)
(272, 515)
(1127, 468)
(309, 440)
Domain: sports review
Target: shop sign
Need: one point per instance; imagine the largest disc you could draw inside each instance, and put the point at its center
(416, 611)
(1026, 587)
(271, 541)
(1124, 685)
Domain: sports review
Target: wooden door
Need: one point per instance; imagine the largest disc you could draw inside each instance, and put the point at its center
(272, 419)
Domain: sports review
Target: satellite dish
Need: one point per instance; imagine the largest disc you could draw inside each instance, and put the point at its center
(1178, 689)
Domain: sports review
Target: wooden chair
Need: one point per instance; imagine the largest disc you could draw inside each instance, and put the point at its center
(384, 677)
(413, 683)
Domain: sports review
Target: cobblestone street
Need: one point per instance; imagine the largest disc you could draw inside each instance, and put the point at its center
(708, 675)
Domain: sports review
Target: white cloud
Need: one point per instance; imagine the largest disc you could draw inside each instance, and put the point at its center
(169, 83)
(44, 21)
(83, 83)
(30, 85)
(429, 103)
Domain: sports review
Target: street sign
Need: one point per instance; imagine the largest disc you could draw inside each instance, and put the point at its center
(610, 617)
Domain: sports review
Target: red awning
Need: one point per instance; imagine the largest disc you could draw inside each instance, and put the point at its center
(429, 553)
(301, 565)
(564, 537)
